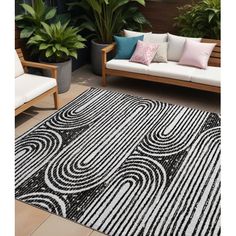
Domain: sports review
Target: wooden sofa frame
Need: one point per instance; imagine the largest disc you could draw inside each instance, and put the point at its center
(213, 61)
(54, 90)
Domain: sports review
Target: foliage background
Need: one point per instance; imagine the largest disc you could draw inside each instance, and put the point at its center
(200, 19)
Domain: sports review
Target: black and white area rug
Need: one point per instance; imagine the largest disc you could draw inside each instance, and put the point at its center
(124, 165)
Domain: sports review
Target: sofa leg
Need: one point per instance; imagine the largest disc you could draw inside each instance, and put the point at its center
(104, 80)
(56, 100)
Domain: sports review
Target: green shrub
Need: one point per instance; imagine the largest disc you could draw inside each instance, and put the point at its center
(201, 19)
(56, 42)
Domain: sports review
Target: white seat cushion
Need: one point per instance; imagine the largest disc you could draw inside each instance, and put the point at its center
(19, 100)
(18, 66)
(171, 70)
(209, 76)
(126, 65)
(28, 86)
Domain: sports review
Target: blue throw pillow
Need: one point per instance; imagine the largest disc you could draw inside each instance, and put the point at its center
(125, 46)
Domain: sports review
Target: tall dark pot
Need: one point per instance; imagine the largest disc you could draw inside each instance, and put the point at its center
(64, 75)
(96, 57)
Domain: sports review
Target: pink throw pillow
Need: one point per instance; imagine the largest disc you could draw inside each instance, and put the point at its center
(144, 52)
(196, 54)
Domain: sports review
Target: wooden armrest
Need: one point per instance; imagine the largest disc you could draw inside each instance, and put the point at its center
(50, 67)
(109, 48)
(38, 65)
(105, 51)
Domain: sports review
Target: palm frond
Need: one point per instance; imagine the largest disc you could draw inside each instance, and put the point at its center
(109, 18)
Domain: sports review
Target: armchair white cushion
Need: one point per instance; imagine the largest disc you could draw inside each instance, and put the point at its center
(28, 87)
(19, 70)
(19, 100)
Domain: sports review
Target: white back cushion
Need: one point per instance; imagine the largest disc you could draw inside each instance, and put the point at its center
(176, 46)
(161, 55)
(18, 66)
(155, 38)
(129, 33)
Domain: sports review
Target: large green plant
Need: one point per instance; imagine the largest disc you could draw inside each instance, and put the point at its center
(201, 19)
(30, 21)
(105, 18)
(56, 42)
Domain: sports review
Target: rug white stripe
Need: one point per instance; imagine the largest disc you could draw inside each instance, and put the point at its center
(125, 166)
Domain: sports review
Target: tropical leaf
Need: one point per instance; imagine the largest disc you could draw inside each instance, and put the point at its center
(139, 18)
(63, 18)
(74, 5)
(109, 18)
(114, 4)
(95, 5)
(39, 8)
(19, 17)
(74, 54)
(38, 37)
(49, 52)
(88, 25)
(80, 38)
(26, 32)
(79, 45)
(65, 50)
(50, 14)
(54, 49)
(43, 46)
(210, 17)
(28, 9)
(142, 2)
(47, 28)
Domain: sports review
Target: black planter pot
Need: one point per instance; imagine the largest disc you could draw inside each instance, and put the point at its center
(96, 57)
(63, 76)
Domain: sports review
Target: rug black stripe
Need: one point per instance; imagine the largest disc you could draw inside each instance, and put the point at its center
(124, 165)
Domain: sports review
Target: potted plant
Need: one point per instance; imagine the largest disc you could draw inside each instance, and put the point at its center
(29, 21)
(105, 18)
(200, 19)
(57, 43)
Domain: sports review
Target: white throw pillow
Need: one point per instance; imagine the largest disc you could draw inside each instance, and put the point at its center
(18, 66)
(129, 33)
(176, 46)
(161, 54)
(155, 38)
